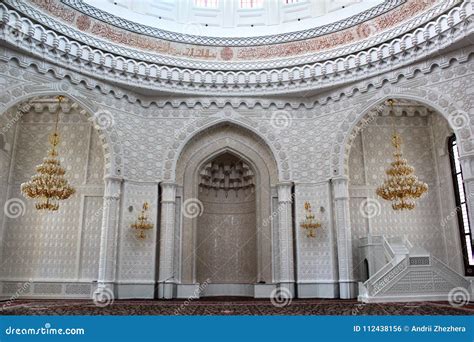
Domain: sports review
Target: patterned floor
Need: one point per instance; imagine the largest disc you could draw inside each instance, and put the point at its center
(228, 307)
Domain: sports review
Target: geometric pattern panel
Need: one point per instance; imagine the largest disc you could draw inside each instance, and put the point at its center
(137, 256)
(315, 255)
(64, 244)
(370, 155)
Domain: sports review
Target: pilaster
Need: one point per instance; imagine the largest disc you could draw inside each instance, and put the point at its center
(347, 284)
(166, 281)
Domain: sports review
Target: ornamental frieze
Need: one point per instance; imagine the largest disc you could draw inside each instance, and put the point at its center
(408, 10)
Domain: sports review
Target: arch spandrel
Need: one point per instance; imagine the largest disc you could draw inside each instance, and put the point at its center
(259, 137)
(113, 156)
(458, 120)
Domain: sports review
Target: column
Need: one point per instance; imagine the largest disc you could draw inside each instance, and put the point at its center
(285, 225)
(347, 284)
(109, 233)
(166, 281)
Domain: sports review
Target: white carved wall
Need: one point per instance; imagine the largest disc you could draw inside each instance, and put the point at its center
(424, 141)
(226, 249)
(316, 260)
(310, 148)
(136, 261)
(63, 245)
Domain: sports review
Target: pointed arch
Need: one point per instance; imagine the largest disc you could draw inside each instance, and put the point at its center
(113, 160)
(262, 135)
(457, 118)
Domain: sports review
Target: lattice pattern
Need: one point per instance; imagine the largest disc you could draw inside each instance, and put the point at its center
(64, 245)
(422, 226)
(316, 261)
(137, 257)
(222, 41)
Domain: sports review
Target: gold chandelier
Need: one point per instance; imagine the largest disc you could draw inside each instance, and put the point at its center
(49, 185)
(141, 225)
(310, 224)
(401, 187)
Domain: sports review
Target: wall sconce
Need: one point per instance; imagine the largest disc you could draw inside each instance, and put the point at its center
(310, 223)
(141, 225)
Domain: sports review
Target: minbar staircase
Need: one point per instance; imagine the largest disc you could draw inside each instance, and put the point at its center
(411, 274)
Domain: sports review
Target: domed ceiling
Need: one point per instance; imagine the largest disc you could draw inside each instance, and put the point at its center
(193, 41)
(370, 41)
(234, 18)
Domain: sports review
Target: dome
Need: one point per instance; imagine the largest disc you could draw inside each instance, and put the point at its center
(179, 54)
(233, 18)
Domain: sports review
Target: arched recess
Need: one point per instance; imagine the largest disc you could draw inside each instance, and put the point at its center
(113, 156)
(356, 119)
(76, 229)
(442, 104)
(266, 137)
(425, 146)
(245, 145)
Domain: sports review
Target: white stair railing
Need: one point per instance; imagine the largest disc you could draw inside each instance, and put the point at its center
(405, 261)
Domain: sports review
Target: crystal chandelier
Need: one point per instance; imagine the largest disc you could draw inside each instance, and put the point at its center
(401, 187)
(141, 225)
(49, 185)
(310, 224)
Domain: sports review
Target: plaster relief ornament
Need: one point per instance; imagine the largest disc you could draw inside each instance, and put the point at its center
(49, 186)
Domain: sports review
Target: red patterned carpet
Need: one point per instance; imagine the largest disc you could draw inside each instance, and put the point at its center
(228, 307)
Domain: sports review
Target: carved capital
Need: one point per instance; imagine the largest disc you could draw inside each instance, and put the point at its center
(112, 187)
(341, 188)
(168, 192)
(284, 192)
